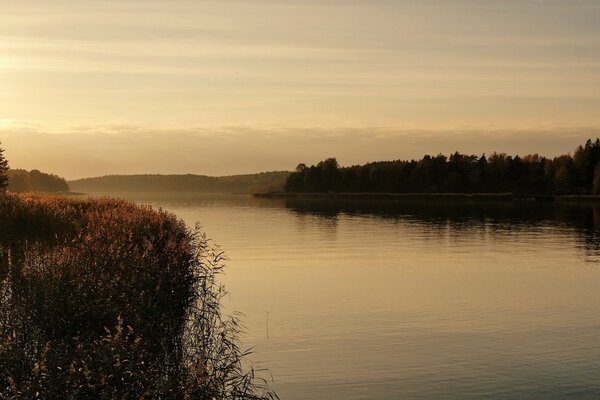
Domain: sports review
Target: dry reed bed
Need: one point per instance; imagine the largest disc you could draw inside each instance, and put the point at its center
(102, 298)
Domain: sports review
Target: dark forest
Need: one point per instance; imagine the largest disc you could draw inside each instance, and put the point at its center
(459, 173)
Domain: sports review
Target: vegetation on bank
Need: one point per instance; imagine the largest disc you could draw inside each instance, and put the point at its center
(20, 180)
(459, 173)
(3, 171)
(106, 299)
(266, 181)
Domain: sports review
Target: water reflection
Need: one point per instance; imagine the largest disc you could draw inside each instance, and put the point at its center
(455, 218)
(415, 300)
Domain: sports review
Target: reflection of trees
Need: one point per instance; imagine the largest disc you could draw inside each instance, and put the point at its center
(589, 234)
(457, 213)
(459, 218)
(590, 241)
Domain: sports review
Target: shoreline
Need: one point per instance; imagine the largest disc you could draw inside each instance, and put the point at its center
(429, 196)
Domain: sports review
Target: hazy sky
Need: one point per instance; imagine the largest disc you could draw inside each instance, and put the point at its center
(230, 86)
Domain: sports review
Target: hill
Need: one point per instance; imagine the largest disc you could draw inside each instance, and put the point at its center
(20, 180)
(265, 181)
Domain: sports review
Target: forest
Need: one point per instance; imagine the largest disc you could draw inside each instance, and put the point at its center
(578, 173)
(20, 180)
(265, 181)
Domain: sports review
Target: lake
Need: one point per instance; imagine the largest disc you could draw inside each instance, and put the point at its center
(362, 300)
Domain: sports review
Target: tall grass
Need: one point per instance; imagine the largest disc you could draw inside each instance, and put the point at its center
(106, 299)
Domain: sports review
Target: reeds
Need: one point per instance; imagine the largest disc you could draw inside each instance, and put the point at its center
(105, 299)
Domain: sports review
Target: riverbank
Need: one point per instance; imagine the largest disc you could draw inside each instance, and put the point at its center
(431, 196)
(388, 196)
(104, 298)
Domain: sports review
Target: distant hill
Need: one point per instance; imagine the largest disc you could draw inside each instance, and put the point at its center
(20, 180)
(262, 182)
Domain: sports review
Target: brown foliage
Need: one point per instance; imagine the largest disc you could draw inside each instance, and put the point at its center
(106, 299)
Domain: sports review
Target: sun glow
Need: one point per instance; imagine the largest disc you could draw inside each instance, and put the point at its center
(6, 123)
(284, 77)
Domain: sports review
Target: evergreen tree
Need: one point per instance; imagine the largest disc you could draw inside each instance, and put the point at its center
(460, 173)
(3, 172)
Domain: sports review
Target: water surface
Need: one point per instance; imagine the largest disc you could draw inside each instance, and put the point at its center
(357, 300)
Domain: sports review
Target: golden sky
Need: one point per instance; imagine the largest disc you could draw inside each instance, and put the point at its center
(232, 86)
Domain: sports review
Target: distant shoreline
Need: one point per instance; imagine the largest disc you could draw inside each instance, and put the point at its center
(430, 196)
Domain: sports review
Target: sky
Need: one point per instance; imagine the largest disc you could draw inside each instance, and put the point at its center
(90, 88)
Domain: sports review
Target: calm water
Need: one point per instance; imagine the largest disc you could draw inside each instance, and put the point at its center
(414, 301)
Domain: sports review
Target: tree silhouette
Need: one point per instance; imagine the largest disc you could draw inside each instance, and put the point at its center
(458, 173)
(3, 171)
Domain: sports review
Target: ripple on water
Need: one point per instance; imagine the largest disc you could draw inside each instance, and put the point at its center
(450, 304)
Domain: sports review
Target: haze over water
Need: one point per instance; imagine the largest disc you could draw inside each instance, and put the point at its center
(424, 301)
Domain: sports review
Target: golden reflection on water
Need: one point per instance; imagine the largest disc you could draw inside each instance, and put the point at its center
(413, 301)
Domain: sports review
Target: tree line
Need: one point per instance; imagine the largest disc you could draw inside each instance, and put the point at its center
(458, 173)
(264, 181)
(19, 180)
